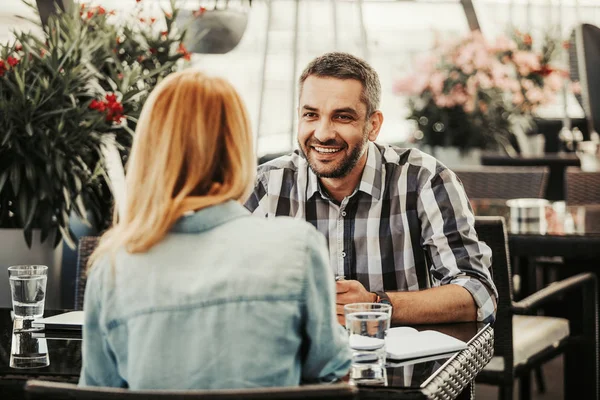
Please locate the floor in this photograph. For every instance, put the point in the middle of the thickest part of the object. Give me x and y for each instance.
(553, 377)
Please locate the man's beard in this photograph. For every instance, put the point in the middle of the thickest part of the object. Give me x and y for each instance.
(346, 165)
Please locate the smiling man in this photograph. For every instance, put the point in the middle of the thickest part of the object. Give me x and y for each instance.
(398, 222)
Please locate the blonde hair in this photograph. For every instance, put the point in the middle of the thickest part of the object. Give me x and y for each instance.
(192, 149)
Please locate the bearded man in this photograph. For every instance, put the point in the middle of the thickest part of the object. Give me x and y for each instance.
(398, 223)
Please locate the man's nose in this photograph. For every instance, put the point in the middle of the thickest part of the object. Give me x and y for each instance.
(324, 131)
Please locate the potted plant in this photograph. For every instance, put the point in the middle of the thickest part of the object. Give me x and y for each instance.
(474, 94)
(62, 95)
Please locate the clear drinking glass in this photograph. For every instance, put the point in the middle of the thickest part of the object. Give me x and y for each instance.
(367, 324)
(28, 288)
(27, 351)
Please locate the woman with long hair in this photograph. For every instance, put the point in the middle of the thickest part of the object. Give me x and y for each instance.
(187, 289)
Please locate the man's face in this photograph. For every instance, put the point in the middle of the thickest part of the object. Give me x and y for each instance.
(333, 128)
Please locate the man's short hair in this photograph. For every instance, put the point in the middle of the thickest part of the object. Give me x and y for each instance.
(346, 66)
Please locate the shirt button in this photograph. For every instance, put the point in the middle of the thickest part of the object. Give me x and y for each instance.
(343, 254)
(343, 213)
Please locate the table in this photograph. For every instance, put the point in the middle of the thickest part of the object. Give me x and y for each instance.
(412, 380)
(573, 233)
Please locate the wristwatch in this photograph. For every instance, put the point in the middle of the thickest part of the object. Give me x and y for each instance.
(383, 298)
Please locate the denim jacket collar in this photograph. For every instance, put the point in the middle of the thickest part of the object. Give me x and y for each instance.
(210, 217)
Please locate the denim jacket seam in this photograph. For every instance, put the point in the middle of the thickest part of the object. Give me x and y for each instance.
(115, 322)
(306, 270)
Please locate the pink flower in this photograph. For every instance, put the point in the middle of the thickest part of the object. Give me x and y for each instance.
(527, 84)
(518, 98)
(426, 63)
(535, 95)
(469, 106)
(554, 81)
(413, 84)
(484, 80)
(436, 82)
(504, 44)
(526, 62)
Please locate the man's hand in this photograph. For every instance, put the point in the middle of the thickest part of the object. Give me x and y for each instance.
(351, 292)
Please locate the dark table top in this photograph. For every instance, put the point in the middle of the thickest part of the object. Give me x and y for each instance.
(408, 376)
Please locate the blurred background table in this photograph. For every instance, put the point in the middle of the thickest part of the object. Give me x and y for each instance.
(573, 233)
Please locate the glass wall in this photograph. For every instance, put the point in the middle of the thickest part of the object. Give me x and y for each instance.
(389, 34)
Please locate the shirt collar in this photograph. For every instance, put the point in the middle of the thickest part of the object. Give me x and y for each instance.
(210, 217)
(370, 181)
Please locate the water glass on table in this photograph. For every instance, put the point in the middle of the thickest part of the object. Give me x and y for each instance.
(28, 288)
(367, 324)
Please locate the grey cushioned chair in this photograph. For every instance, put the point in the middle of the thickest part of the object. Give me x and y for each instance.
(500, 182)
(524, 341)
(46, 390)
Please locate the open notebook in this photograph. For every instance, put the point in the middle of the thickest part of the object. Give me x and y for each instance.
(72, 320)
(405, 342)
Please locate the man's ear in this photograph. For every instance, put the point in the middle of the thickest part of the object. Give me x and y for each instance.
(375, 122)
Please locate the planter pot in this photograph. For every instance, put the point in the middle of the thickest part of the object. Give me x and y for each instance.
(14, 251)
(215, 31)
(452, 157)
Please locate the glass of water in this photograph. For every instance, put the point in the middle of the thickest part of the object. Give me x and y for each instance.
(367, 324)
(28, 287)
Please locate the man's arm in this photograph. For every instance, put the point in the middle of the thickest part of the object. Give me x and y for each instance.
(463, 289)
(257, 202)
(457, 256)
(448, 303)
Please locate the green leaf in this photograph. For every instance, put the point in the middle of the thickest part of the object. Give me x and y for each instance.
(66, 236)
(7, 135)
(28, 235)
(15, 178)
(3, 179)
(31, 212)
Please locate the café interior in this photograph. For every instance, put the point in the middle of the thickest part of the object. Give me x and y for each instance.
(503, 93)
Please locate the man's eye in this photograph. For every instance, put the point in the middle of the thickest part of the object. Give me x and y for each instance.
(309, 115)
(344, 117)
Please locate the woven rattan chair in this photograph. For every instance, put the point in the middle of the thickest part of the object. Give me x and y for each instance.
(581, 187)
(85, 248)
(38, 390)
(495, 182)
(524, 341)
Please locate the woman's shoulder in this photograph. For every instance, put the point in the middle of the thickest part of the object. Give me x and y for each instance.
(282, 225)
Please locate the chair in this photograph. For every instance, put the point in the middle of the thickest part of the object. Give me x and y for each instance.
(85, 248)
(556, 162)
(524, 341)
(46, 390)
(495, 182)
(582, 188)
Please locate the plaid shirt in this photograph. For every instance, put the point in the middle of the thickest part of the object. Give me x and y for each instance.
(408, 212)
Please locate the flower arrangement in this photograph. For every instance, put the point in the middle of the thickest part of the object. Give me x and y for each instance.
(467, 93)
(61, 95)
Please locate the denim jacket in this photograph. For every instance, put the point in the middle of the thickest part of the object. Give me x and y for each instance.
(225, 300)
